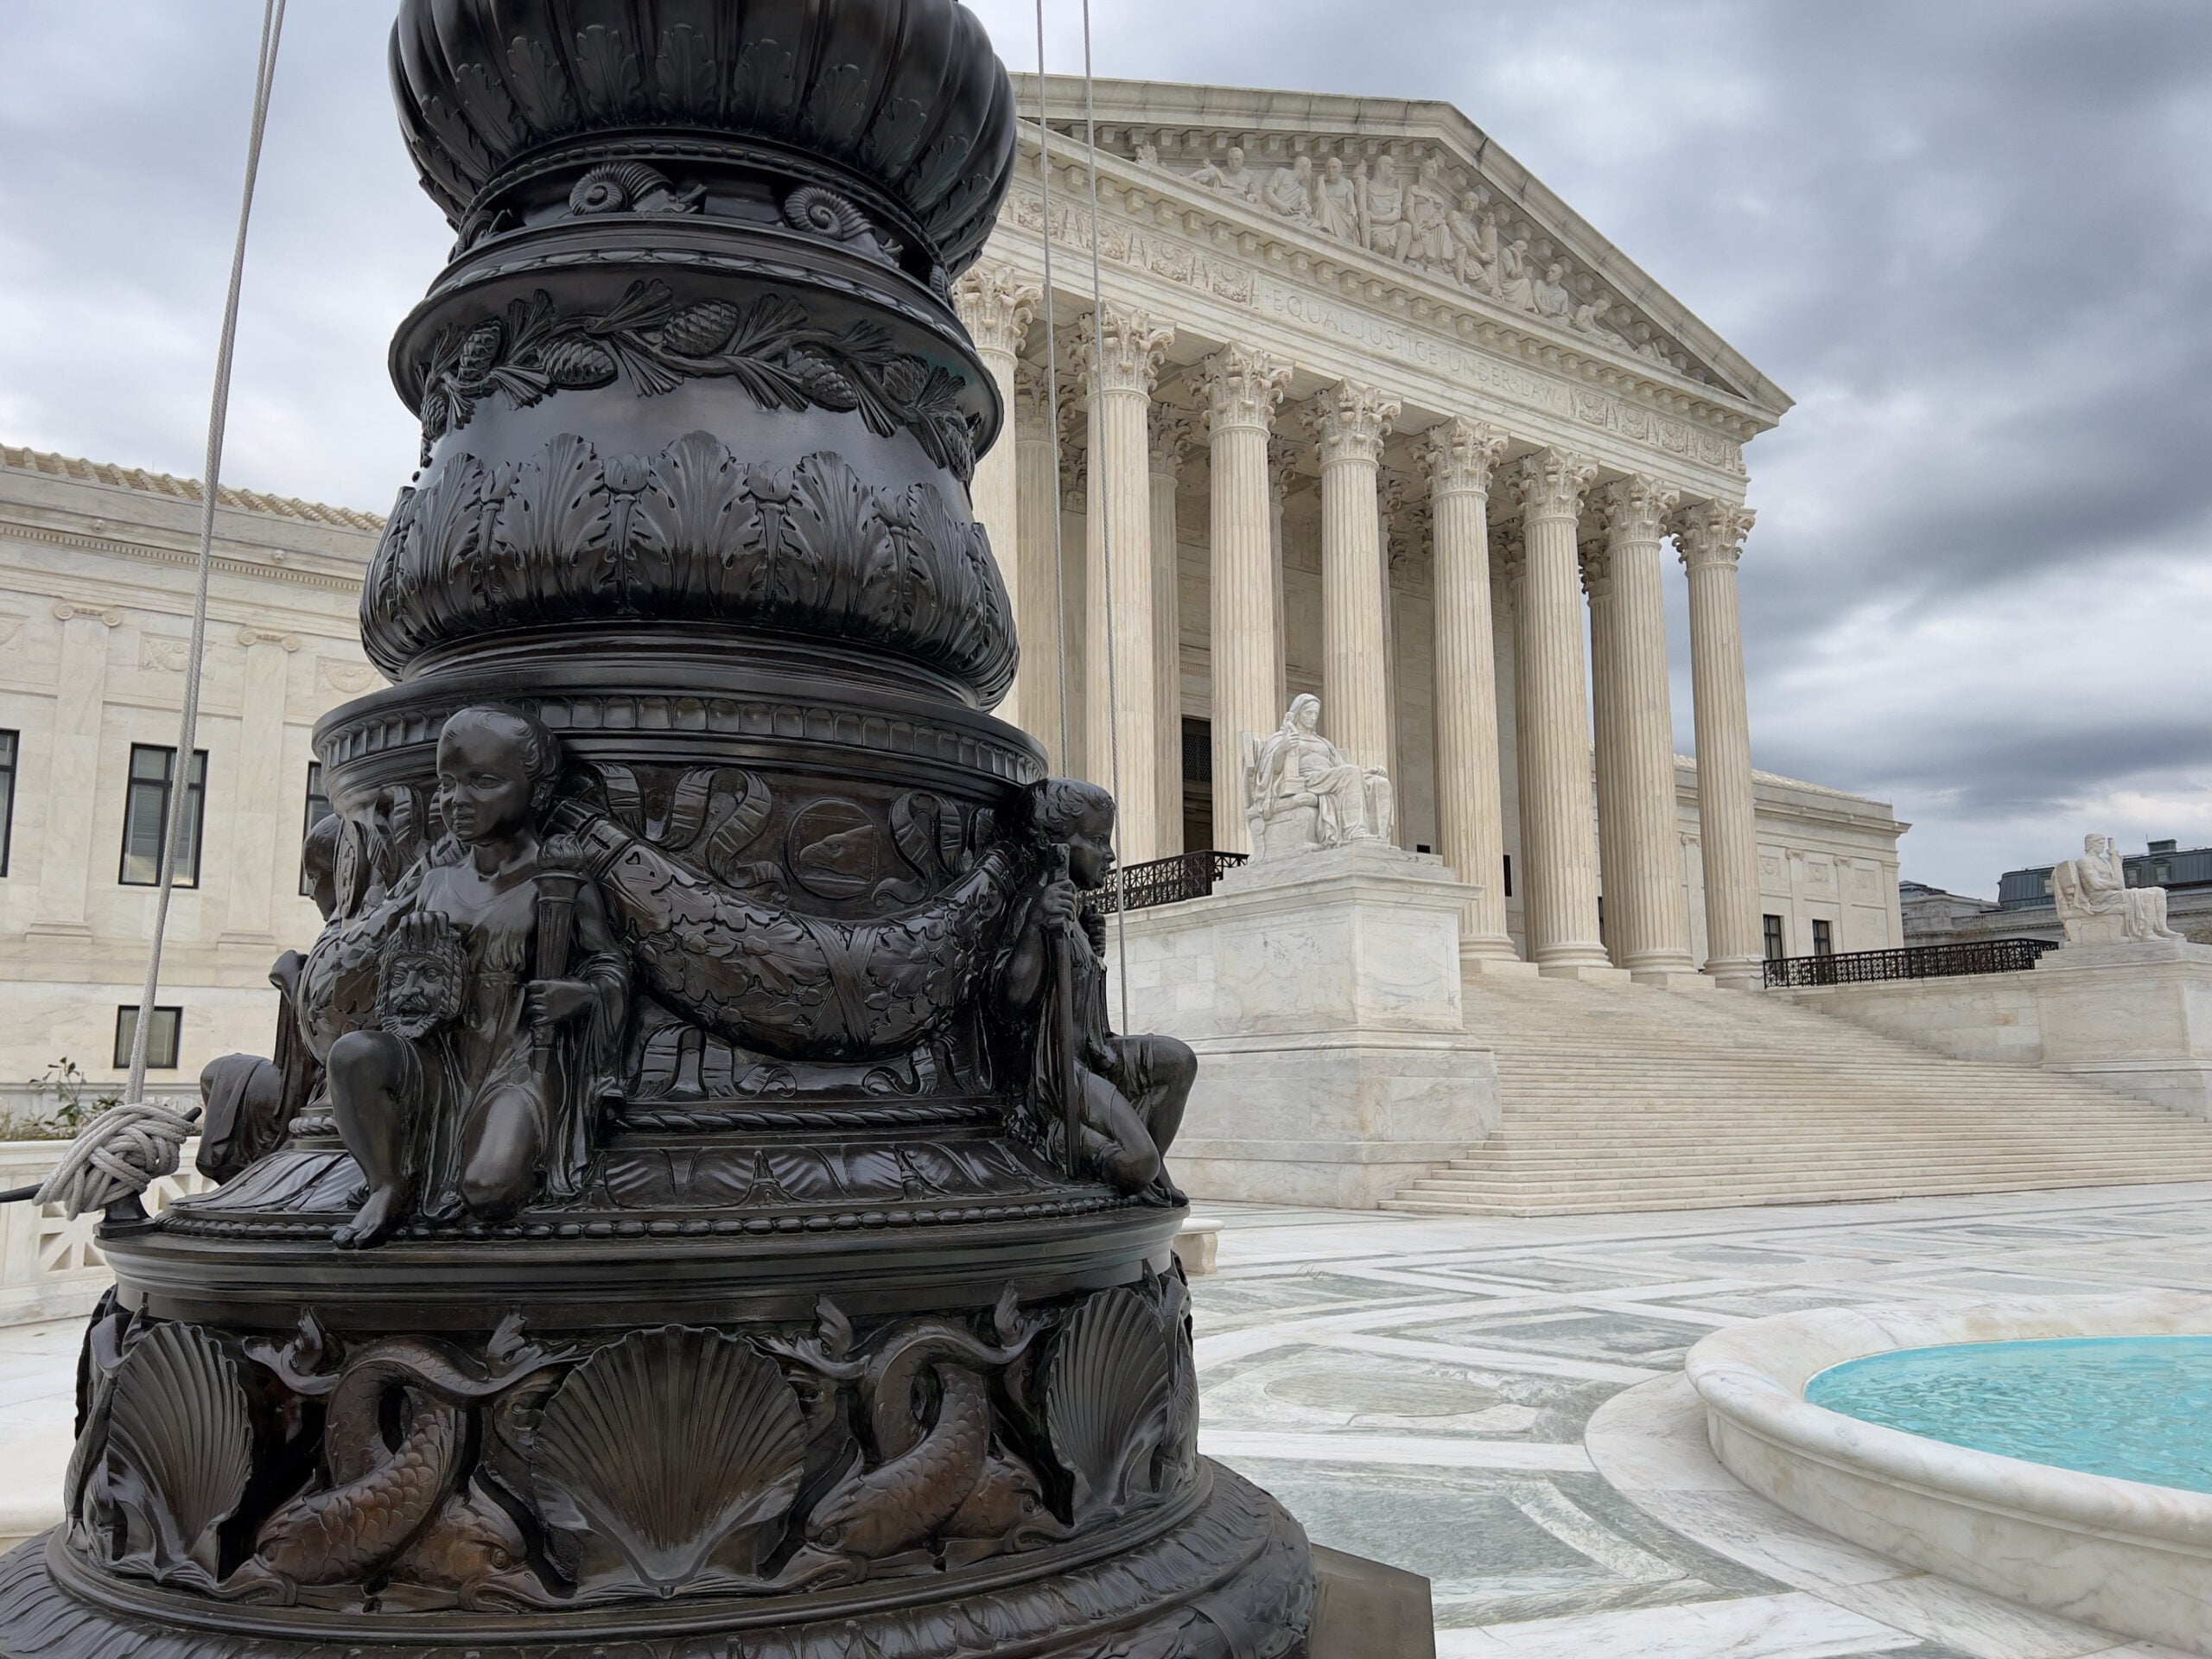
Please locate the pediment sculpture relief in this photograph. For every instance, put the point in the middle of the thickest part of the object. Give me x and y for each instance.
(1413, 216)
(1302, 793)
(2097, 906)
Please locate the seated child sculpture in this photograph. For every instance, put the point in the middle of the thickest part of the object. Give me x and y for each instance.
(500, 990)
(1126, 1093)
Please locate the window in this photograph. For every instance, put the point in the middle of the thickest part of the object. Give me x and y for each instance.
(1198, 751)
(1774, 949)
(1509, 875)
(160, 1042)
(146, 817)
(1823, 938)
(318, 810)
(10, 741)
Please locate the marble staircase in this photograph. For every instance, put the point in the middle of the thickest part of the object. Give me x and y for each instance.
(1626, 1097)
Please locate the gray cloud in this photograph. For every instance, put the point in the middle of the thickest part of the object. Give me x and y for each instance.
(1971, 237)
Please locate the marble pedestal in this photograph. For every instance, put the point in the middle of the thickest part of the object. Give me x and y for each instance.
(2135, 1018)
(1321, 993)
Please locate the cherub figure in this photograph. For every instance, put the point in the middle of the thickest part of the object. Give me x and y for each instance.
(1128, 1092)
(499, 991)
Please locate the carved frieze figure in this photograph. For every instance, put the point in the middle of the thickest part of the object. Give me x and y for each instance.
(498, 990)
(1121, 1096)
(2097, 906)
(1474, 244)
(1231, 177)
(1289, 190)
(1515, 286)
(1301, 792)
(1335, 204)
(1428, 237)
(1549, 294)
(1382, 221)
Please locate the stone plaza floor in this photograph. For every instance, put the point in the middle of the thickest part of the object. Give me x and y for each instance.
(1499, 1405)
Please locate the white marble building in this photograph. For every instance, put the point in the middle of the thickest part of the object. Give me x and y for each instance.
(1423, 462)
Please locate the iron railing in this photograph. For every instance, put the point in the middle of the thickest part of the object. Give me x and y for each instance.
(1164, 881)
(1912, 962)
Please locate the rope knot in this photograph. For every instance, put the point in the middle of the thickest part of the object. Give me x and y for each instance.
(122, 1152)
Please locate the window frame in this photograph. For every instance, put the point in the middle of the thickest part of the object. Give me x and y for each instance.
(1774, 937)
(126, 1030)
(195, 796)
(1823, 937)
(11, 759)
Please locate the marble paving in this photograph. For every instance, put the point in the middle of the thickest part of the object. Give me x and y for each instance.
(1499, 1405)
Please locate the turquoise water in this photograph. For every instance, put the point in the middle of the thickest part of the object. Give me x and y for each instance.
(2136, 1407)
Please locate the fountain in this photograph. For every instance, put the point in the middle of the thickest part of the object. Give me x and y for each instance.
(697, 1204)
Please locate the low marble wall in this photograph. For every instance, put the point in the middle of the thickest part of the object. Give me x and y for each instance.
(1322, 994)
(2128, 1557)
(51, 1268)
(2134, 1019)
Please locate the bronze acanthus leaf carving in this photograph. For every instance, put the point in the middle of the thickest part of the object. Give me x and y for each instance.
(769, 347)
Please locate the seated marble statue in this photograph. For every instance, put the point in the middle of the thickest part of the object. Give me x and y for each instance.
(1302, 793)
(2097, 906)
(498, 993)
(1130, 1090)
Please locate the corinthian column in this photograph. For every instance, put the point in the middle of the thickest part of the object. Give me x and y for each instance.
(1171, 438)
(1458, 456)
(1711, 538)
(1636, 821)
(1037, 612)
(1349, 422)
(1118, 354)
(995, 306)
(1242, 388)
(1558, 837)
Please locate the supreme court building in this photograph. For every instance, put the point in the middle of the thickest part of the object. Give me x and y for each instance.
(1379, 417)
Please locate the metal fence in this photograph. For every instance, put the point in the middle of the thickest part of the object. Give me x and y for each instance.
(1912, 962)
(1164, 881)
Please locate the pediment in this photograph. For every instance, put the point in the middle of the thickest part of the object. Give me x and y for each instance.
(1410, 189)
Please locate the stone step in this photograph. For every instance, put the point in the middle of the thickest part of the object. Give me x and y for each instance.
(1801, 1163)
(1721, 1190)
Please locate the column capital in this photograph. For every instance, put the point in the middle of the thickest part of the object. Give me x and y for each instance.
(106, 615)
(1596, 558)
(1134, 347)
(1637, 507)
(1350, 421)
(1509, 552)
(1243, 386)
(1712, 532)
(1031, 398)
(251, 637)
(1168, 437)
(995, 305)
(1459, 456)
(1282, 468)
(1552, 483)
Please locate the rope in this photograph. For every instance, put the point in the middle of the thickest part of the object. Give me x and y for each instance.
(1105, 528)
(265, 74)
(1052, 387)
(116, 1156)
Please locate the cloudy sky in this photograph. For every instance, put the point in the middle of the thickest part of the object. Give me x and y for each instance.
(1972, 238)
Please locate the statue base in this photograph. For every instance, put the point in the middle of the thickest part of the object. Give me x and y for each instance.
(1232, 1579)
(2134, 1018)
(1322, 994)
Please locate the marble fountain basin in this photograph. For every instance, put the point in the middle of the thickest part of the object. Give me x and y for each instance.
(2125, 1555)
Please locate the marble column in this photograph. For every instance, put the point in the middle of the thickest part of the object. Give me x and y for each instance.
(1118, 353)
(1639, 838)
(1710, 538)
(1558, 813)
(996, 306)
(1242, 387)
(259, 808)
(73, 770)
(1349, 422)
(1459, 456)
(1037, 588)
(1595, 558)
(1282, 479)
(1171, 440)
